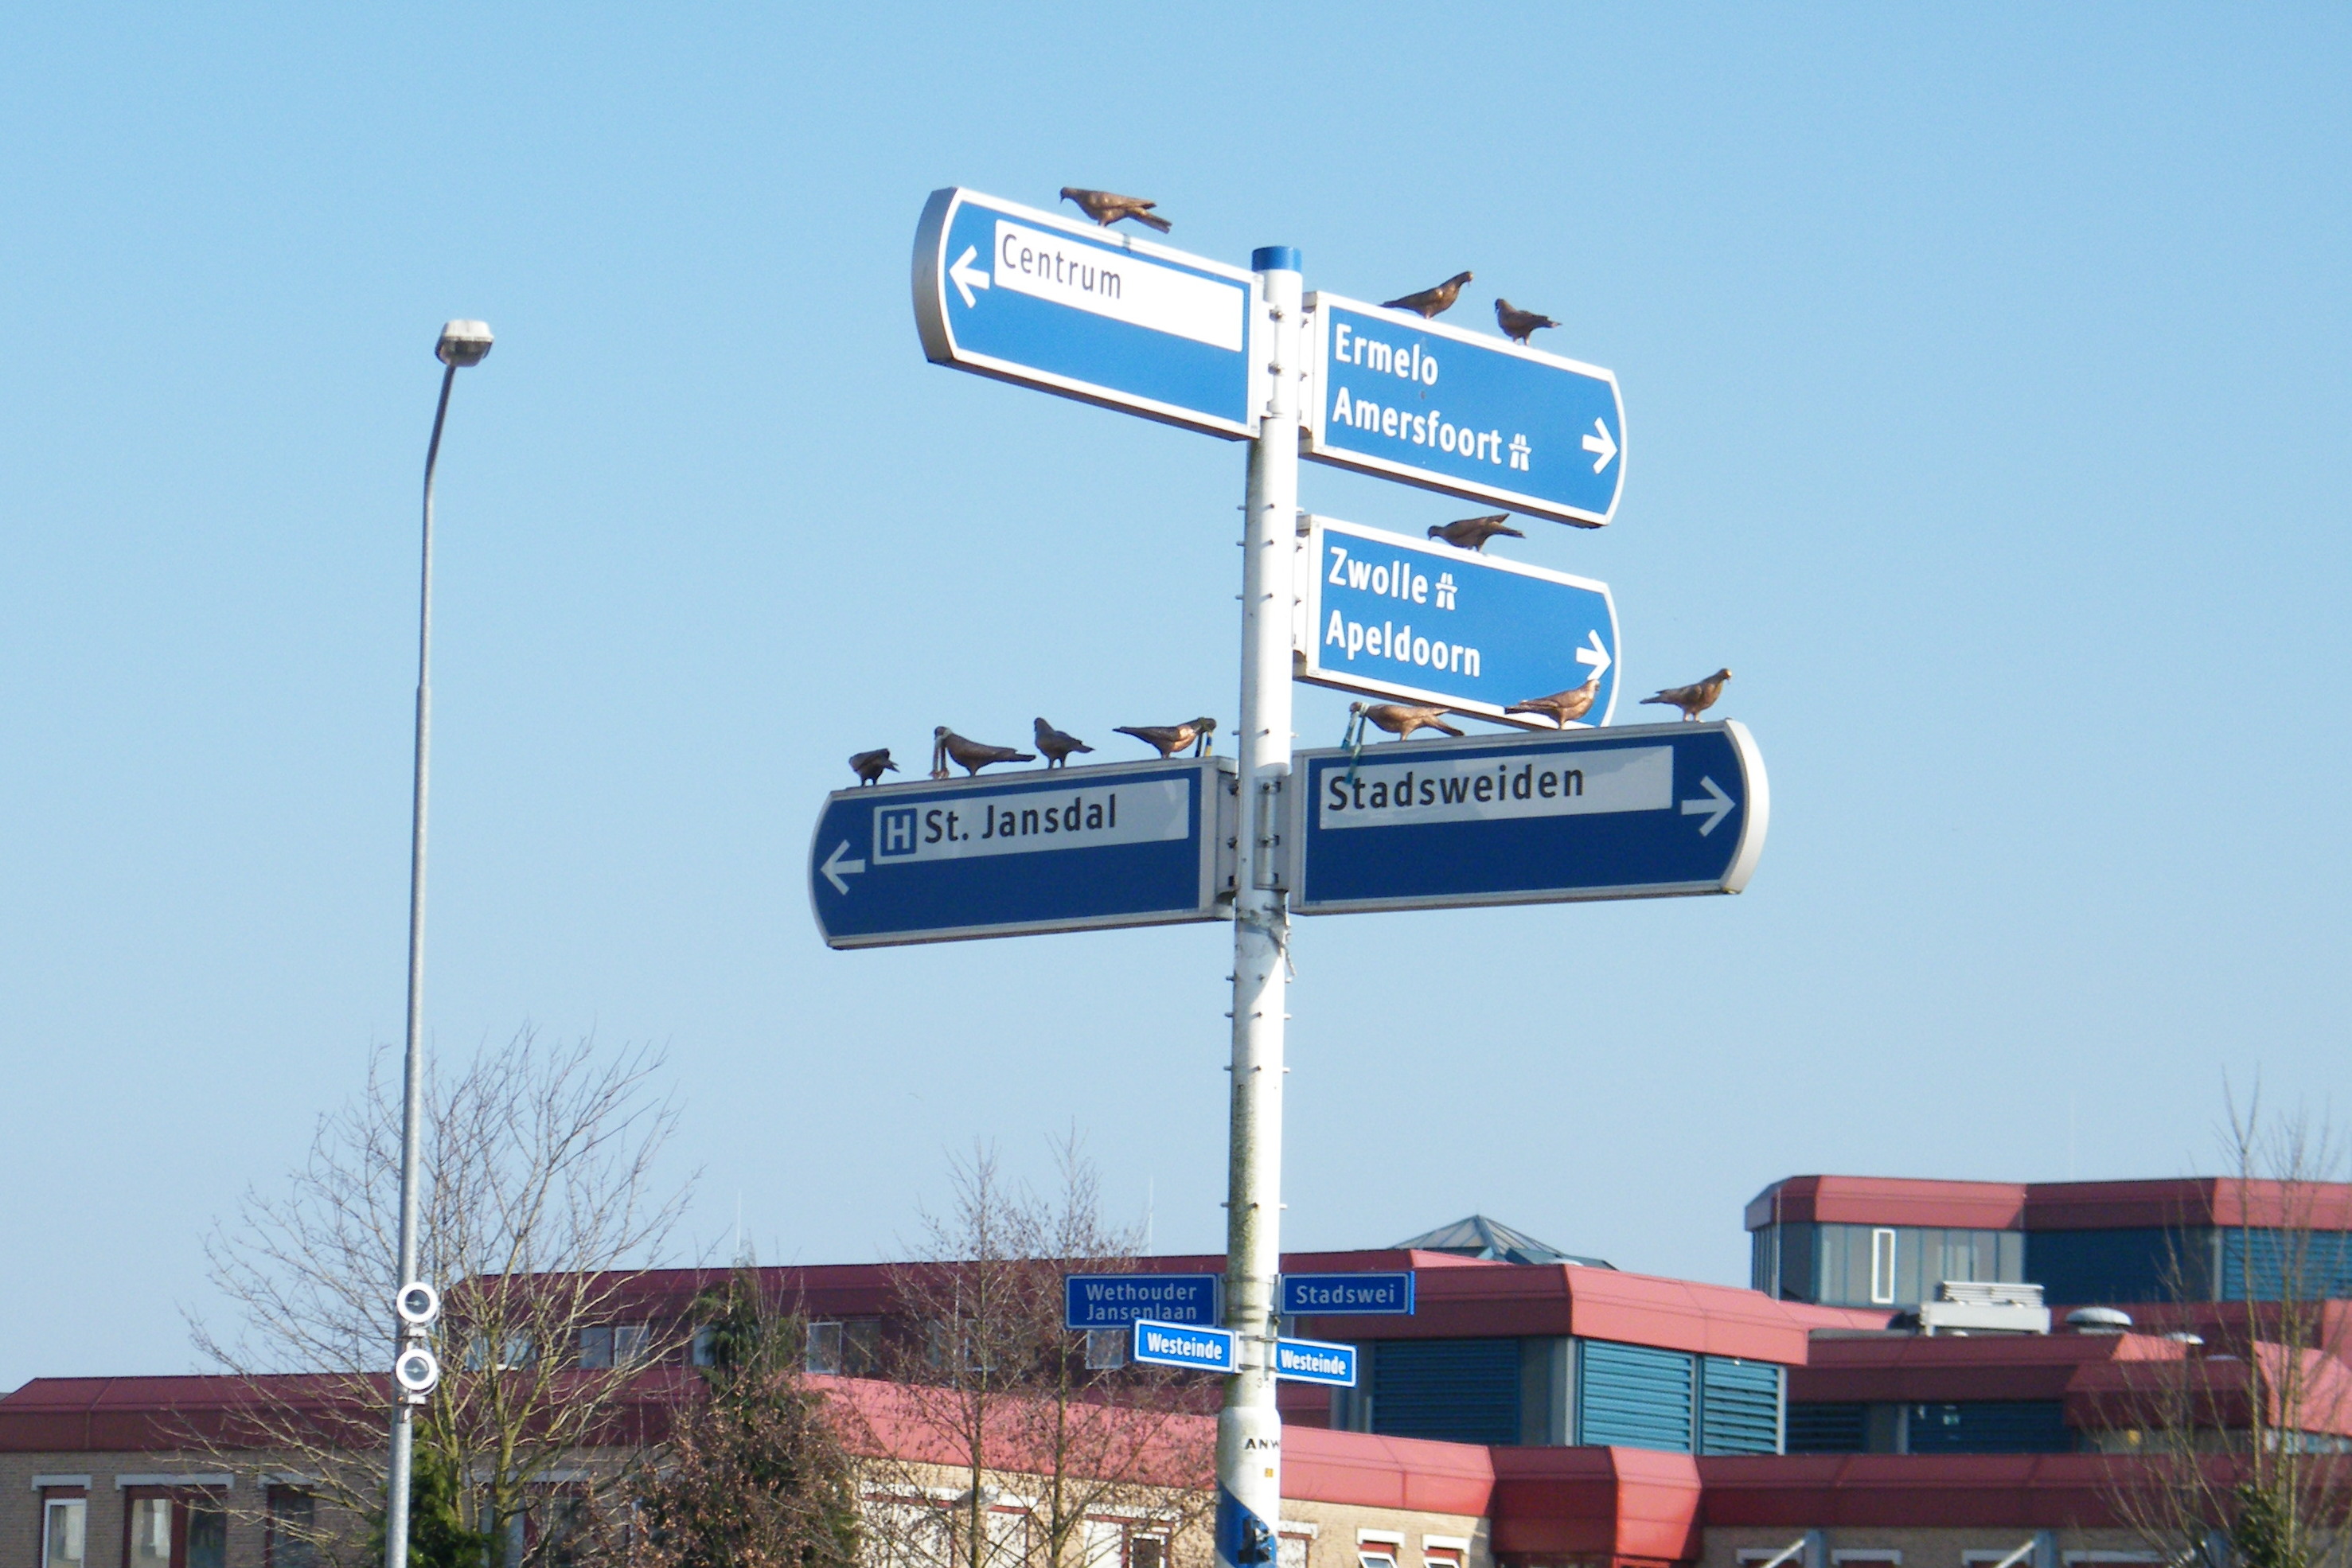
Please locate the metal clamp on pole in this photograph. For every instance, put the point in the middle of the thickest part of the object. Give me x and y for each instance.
(1267, 827)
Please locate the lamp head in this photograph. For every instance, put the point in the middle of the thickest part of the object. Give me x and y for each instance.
(463, 344)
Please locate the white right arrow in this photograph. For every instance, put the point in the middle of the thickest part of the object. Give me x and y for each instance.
(967, 277)
(1714, 810)
(1599, 444)
(1596, 656)
(834, 865)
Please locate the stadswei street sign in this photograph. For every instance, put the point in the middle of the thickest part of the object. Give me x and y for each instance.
(1066, 307)
(1646, 811)
(1012, 854)
(1420, 621)
(1179, 1344)
(1331, 1295)
(1313, 1361)
(1115, 1300)
(1465, 413)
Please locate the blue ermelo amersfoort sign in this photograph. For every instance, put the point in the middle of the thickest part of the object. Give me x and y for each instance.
(1420, 621)
(1463, 412)
(1092, 313)
(1644, 811)
(1115, 1300)
(1006, 854)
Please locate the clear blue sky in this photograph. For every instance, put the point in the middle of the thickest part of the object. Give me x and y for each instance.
(1987, 376)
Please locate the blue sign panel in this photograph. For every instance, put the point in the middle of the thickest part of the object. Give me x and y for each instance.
(1064, 850)
(1174, 1344)
(1463, 412)
(1064, 306)
(1312, 1361)
(1115, 1300)
(1329, 1295)
(1634, 813)
(1419, 620)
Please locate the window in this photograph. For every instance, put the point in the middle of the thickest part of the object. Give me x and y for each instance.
(207, 1533)
(151, 1533)
(1106, 1348)
(493, 1352)
(1292, 1550)
(1146, 1551)
(291, 1542)
(618, 1344)
(65, 1524)
(1881, 1267)
(705, 1352)
(824, 1354)
(1376, 1557)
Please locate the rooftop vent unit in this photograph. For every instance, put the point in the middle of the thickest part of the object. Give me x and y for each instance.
(2098, 1320)
(1969, 1306)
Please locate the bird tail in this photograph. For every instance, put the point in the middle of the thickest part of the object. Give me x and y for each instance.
(1081, 746)
(1445, 727)
(1523, 708)
(1511, 532)
(1661, 697)
(1130, 730)
(1154, 219)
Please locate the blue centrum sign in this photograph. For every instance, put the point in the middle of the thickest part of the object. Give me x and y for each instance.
(1066, 307)
(1646, 811)
(1463, 412)
(1312, 1361)
(1331, 1295)
(1115, 1300)
(1065, 849)
(1419, 620)
(1175, 1344)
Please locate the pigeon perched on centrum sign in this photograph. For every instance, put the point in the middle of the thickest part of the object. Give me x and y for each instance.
(1170, 739)
(1402, 721)
(970, 755)
(1518, 324)
(1106, 208)
(1562, 706)
(1471, 532)
(869, 765)
(1431, 301)
(1694, 699)
(1056, 746)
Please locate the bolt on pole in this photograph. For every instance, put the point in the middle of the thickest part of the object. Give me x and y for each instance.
(1249, 1428)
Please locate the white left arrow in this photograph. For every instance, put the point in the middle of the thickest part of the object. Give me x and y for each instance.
(1596, 656)
(1601, 444)
(1714, 810)
(834, 866)
(967, 277)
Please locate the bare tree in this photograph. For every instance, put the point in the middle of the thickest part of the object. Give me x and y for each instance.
(2238, 1443)
(993, 1380)
(541, 1203)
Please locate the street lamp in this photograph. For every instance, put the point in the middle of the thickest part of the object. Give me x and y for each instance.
(462, 343)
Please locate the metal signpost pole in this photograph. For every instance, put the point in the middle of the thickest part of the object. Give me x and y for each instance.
(1249, 1428)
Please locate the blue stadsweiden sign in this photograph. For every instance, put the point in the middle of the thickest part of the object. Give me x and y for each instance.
(1329, 1295)
(1177, 1344)
(1465, 413)
(1087, 312)
(1640, 812)
(1420, 621)
(1115, 1300)
(1312, 1361)
(1008, 854)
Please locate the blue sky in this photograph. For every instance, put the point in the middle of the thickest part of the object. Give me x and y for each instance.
(1986, 371)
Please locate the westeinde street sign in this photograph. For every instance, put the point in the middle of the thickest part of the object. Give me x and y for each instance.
(1646, 811)
(1115, 1300)
(1174, 1344)
(1422, 621)
(1312, 1361)
(1329, 1295)
(1092, 313)
(1006, 854)
(1465, 413)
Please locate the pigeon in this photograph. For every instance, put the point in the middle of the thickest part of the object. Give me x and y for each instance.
(971, 755)
(1171, 739)
(1058, 746)
(1107, 209)
(1694, 699)
(1519, 325)
(1401, 720)
(1562, 706)
(1471, 532)
(869, 765)
(1431, 301)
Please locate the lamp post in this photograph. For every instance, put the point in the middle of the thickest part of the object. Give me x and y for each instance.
(462, 343)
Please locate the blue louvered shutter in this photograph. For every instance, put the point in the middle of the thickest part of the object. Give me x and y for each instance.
(1991, 1426)
(1828, 1429)
(1462, 1391)
(1738, 1406)
(1633, 1396)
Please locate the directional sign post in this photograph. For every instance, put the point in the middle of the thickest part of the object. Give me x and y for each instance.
(1331, 1295)
(1065, 307)
(1640, 812)
(1177, 1344)
(1465, 413)
(1420, 621)
(1008, 854)
(1115, 1300)
(1313, 1361)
